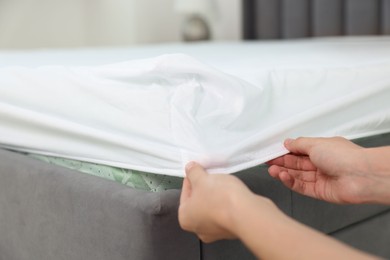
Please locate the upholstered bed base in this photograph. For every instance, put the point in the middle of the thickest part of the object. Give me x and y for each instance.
(49, 212)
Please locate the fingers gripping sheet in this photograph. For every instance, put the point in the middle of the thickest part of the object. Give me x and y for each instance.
(157, 114)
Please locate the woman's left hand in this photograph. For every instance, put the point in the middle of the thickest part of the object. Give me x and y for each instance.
(207, 203)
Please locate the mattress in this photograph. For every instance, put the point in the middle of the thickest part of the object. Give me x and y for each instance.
(135, 179)
(157, 182)
(252, 65)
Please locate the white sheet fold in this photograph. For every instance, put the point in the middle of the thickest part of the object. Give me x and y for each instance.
(157, 114)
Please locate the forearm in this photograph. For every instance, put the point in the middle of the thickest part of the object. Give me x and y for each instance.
(270, 234)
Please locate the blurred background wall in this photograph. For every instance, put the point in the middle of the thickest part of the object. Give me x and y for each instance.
(80, 23)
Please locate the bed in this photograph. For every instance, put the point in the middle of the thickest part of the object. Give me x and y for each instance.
(50, 212)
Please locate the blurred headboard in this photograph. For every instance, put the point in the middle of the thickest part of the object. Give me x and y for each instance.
(279, 19)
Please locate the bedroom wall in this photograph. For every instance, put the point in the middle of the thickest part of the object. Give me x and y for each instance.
(75, 23)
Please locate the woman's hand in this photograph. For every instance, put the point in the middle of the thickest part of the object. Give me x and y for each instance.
(221, 207)
(208, 203)
(334, 170)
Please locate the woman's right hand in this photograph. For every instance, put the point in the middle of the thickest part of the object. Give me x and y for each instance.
(335, 170)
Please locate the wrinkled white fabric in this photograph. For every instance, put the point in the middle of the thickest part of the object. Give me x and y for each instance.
(158, 114)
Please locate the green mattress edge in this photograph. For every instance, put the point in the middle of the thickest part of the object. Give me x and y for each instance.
(132, 178)
(155, 182)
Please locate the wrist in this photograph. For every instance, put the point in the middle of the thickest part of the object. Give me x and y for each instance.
(377, 171)
(237, 206)
(250, 209)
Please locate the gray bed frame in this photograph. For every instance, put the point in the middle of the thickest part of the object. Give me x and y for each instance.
(48, 212)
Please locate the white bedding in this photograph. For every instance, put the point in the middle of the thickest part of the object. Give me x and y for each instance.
(229, 112)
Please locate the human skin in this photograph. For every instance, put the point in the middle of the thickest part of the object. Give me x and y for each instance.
(335, 170)
(218, 207)
(332, 169)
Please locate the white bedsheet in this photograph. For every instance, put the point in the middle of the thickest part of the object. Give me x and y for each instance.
(157, 114)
